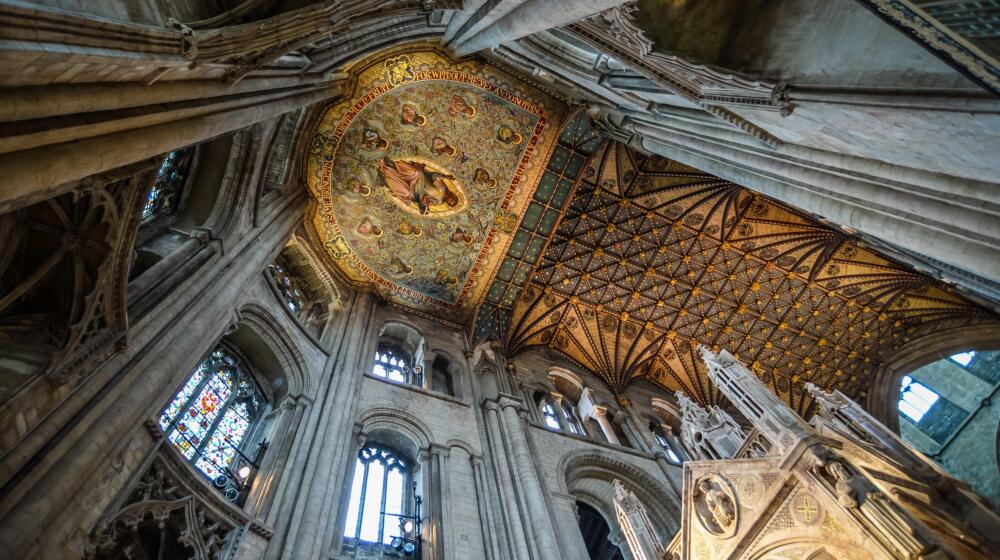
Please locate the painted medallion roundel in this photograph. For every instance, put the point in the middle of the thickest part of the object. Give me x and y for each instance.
(413, 173)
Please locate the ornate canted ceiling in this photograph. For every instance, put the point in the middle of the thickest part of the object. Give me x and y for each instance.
(424, 173)
(654, 257)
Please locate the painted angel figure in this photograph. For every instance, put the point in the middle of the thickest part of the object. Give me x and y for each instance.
(414, 184)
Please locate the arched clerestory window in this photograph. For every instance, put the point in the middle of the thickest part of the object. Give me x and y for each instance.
(210, 418)
(380, 495)
(164, 194)
(560, 415)
(395, 365)
(947, 410)
(667, 442)
(297, 297)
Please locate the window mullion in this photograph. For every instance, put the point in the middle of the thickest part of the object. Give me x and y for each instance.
(361, 506)
(190, 400)
(385, 484)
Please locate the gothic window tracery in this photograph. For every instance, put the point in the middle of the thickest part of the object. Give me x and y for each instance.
(209, 418)
(295, 295)
(164, 194)
(393, 364)
(382, 477)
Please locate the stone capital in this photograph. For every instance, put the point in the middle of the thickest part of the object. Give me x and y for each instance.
(510, 401)
(439, 450)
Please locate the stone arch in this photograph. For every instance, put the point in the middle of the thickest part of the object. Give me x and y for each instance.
(463, 445)
(446, 373)
(606, 467)
(395, 428)
(568, 378)
(884, 392)
(260, 336)
(320, 293)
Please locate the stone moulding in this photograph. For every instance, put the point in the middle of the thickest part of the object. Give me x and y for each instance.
(170, 493)
(615, 32)
(939, 39)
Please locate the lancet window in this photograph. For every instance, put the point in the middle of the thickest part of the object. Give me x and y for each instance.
(210, 418)
(379, 498)
(164, 194)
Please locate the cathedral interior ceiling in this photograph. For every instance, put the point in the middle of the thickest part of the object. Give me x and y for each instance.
(422, 176)
(653, 258)
(459, 191)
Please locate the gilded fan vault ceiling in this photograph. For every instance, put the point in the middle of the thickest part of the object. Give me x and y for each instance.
(423, 175)
(653, 257)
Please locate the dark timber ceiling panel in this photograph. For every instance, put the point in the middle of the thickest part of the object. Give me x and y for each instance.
(653, 257)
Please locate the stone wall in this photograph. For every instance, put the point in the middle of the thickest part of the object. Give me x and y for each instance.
(967, 446)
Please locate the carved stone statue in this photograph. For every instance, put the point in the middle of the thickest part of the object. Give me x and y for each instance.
(847, 495)
(715, 506)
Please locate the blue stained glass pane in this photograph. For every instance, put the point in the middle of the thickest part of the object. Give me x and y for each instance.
(209, 418)
(220, 451)
(182, 398)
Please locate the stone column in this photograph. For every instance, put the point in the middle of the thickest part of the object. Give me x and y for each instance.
(437, 500)
(557, 399)
(513, 521)
(601, 415)
(538, 514)
(567, 517)
(485, 30)
(320, 490)
(272, 472)
(485, 504)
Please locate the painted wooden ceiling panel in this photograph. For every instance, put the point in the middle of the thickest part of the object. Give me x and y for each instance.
(653, 258)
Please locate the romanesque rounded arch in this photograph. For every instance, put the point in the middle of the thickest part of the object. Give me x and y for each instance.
(463, 445)
(604, 466)
(261, 323)
(397, 429)
(567, 375)
(884, 393)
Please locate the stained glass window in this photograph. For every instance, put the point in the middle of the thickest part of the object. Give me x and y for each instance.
(378, 495)
(210, 416)
(394, 365)
(163, 195)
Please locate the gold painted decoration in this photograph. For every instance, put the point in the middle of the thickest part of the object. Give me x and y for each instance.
(421, 175)
(654, 258)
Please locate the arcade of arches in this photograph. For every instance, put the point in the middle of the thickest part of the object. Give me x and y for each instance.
(520, 280)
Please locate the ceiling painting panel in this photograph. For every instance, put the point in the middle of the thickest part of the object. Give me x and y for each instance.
(422, 176)
(653, 258)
